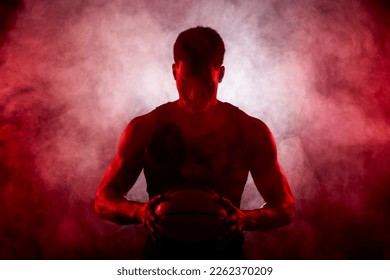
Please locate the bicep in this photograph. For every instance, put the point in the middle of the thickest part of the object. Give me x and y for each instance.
(272, 185)
(265, 169)
(125, 168)
(120, 176)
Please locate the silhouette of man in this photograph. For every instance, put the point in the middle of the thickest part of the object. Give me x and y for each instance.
(197, 140)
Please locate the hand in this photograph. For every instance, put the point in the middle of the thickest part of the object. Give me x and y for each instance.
(149, 218)
(232, 223)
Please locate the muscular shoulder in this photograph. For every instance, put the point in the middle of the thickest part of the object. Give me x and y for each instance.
(143, 124)
(257, 136)
(137, 133)
(254, 128)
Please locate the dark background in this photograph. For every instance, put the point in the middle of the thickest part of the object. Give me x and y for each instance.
(73, 73)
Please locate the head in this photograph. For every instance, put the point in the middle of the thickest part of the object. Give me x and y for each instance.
(198, 55)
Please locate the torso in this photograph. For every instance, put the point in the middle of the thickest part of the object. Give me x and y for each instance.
(187, 152)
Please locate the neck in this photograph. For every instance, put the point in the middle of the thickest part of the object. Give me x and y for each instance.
(199, 123)
(199, 114)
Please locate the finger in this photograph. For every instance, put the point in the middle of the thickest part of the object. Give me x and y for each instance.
(153, 234)
(228, 205)
(154, 201)
(227, 227)
(230, 228)
(153, 229)
(151, 216)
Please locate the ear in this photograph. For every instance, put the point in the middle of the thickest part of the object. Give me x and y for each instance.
(221, 73)
(174, 70)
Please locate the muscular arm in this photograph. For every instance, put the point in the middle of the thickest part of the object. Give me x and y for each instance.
(122, 173)
(279, 208)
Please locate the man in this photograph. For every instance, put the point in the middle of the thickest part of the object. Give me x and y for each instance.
(195, 141)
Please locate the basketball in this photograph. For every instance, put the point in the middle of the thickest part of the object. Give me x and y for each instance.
(190, 215)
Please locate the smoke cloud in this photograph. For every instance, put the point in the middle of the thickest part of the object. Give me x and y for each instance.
(73, 73)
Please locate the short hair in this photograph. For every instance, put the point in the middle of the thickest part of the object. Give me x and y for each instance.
(199, 45)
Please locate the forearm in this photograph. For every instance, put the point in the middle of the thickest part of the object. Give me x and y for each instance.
(267, 218)
(119, 210)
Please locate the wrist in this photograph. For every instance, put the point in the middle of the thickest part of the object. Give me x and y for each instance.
(248, 219)
(139, 213)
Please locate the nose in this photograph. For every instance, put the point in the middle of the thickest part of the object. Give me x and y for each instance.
(192, 94)
(197, 90)
(194, 90)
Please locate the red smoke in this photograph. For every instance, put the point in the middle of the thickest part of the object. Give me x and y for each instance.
(73, 73)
